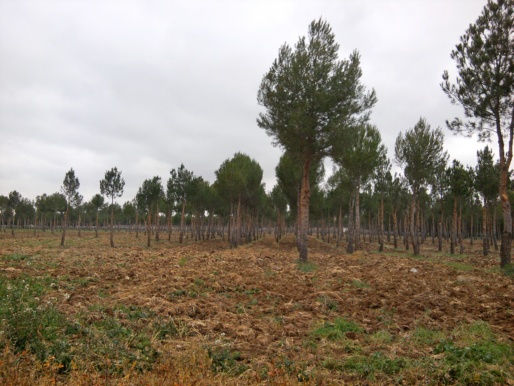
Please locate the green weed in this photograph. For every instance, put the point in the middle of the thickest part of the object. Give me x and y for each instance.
(28, 323)
(459, 266)
(336, 330)
(508, 270)
(369, 366)
(17, 257)
(307, 267)
(225, 361)
(360, 284)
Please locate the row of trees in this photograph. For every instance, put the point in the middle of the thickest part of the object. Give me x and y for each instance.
(361, 196)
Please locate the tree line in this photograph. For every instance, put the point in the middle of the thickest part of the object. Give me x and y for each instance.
(315, 106)
(360, 201)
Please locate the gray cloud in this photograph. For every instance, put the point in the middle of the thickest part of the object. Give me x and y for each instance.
(145, 86)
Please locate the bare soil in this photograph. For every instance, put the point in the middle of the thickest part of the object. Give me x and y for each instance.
(258, 300)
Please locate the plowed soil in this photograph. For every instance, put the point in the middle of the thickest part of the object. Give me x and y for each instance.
(256, 299)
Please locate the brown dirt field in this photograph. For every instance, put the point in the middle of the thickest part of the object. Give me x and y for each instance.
(256, 300)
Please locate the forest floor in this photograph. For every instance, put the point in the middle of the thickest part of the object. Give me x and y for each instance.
(204, 313)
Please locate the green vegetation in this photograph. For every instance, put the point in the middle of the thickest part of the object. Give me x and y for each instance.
(469, 354)
(111, 339)
(307, 266)
(336, 330)
(28, 323)
(459, 266)
(360, 284)
(508, 270)
(17, 257)
(226, 361)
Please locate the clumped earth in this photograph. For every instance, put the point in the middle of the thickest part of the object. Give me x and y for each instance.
(203, 313)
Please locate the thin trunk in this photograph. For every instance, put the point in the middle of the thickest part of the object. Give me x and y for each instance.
(459, 231)
(381, 225)
(169, 224)
(413, 227)
(440, 229)
(493, 228)
(351, 213)
(182, 217)
(149, 228)
(112, 223)
(339, 225)
(485, 240)
(395, 229)
(96, 226)
(239, 230)
(453, 237)
(65, 225)
(357, 216)
(137, 223)
(157, 223)
(304, 212)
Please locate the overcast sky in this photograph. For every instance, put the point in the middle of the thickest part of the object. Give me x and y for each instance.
(147, 85)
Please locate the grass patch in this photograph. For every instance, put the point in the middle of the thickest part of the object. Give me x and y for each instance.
(17, 257)
(306, 267)
(112, 341)
(459, 266)
(508, 271)
(30, 324)
(426, 337)
(479, 363)
(368, 366)
(226, 361)
(336, 330)
(470, 354)
(360, 284)
(381, 337)
(184, 260)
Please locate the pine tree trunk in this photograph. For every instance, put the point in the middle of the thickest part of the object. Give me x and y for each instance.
(65, 225)
(112, 223)
(149, 228)
(395, 229)
(381, 225)
(137, 224)
(459, 231)
(182, 217)
(413, 226)
(303, 228)
(485, 241)
(169, 224)
(357, 224)
(350, 235)
(157, 223)
(493, 229)
(506, 238)
(453, 237)
(96, 226)
(339, 225)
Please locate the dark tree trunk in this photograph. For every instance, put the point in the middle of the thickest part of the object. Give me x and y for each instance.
(64, 226)
(485, 240)
(149, 229)
(506, 238)
(112, 223)
(304, 212)
(395, 230)
(350, 235)
(182, 217)
(453, 237)
(380, 221)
